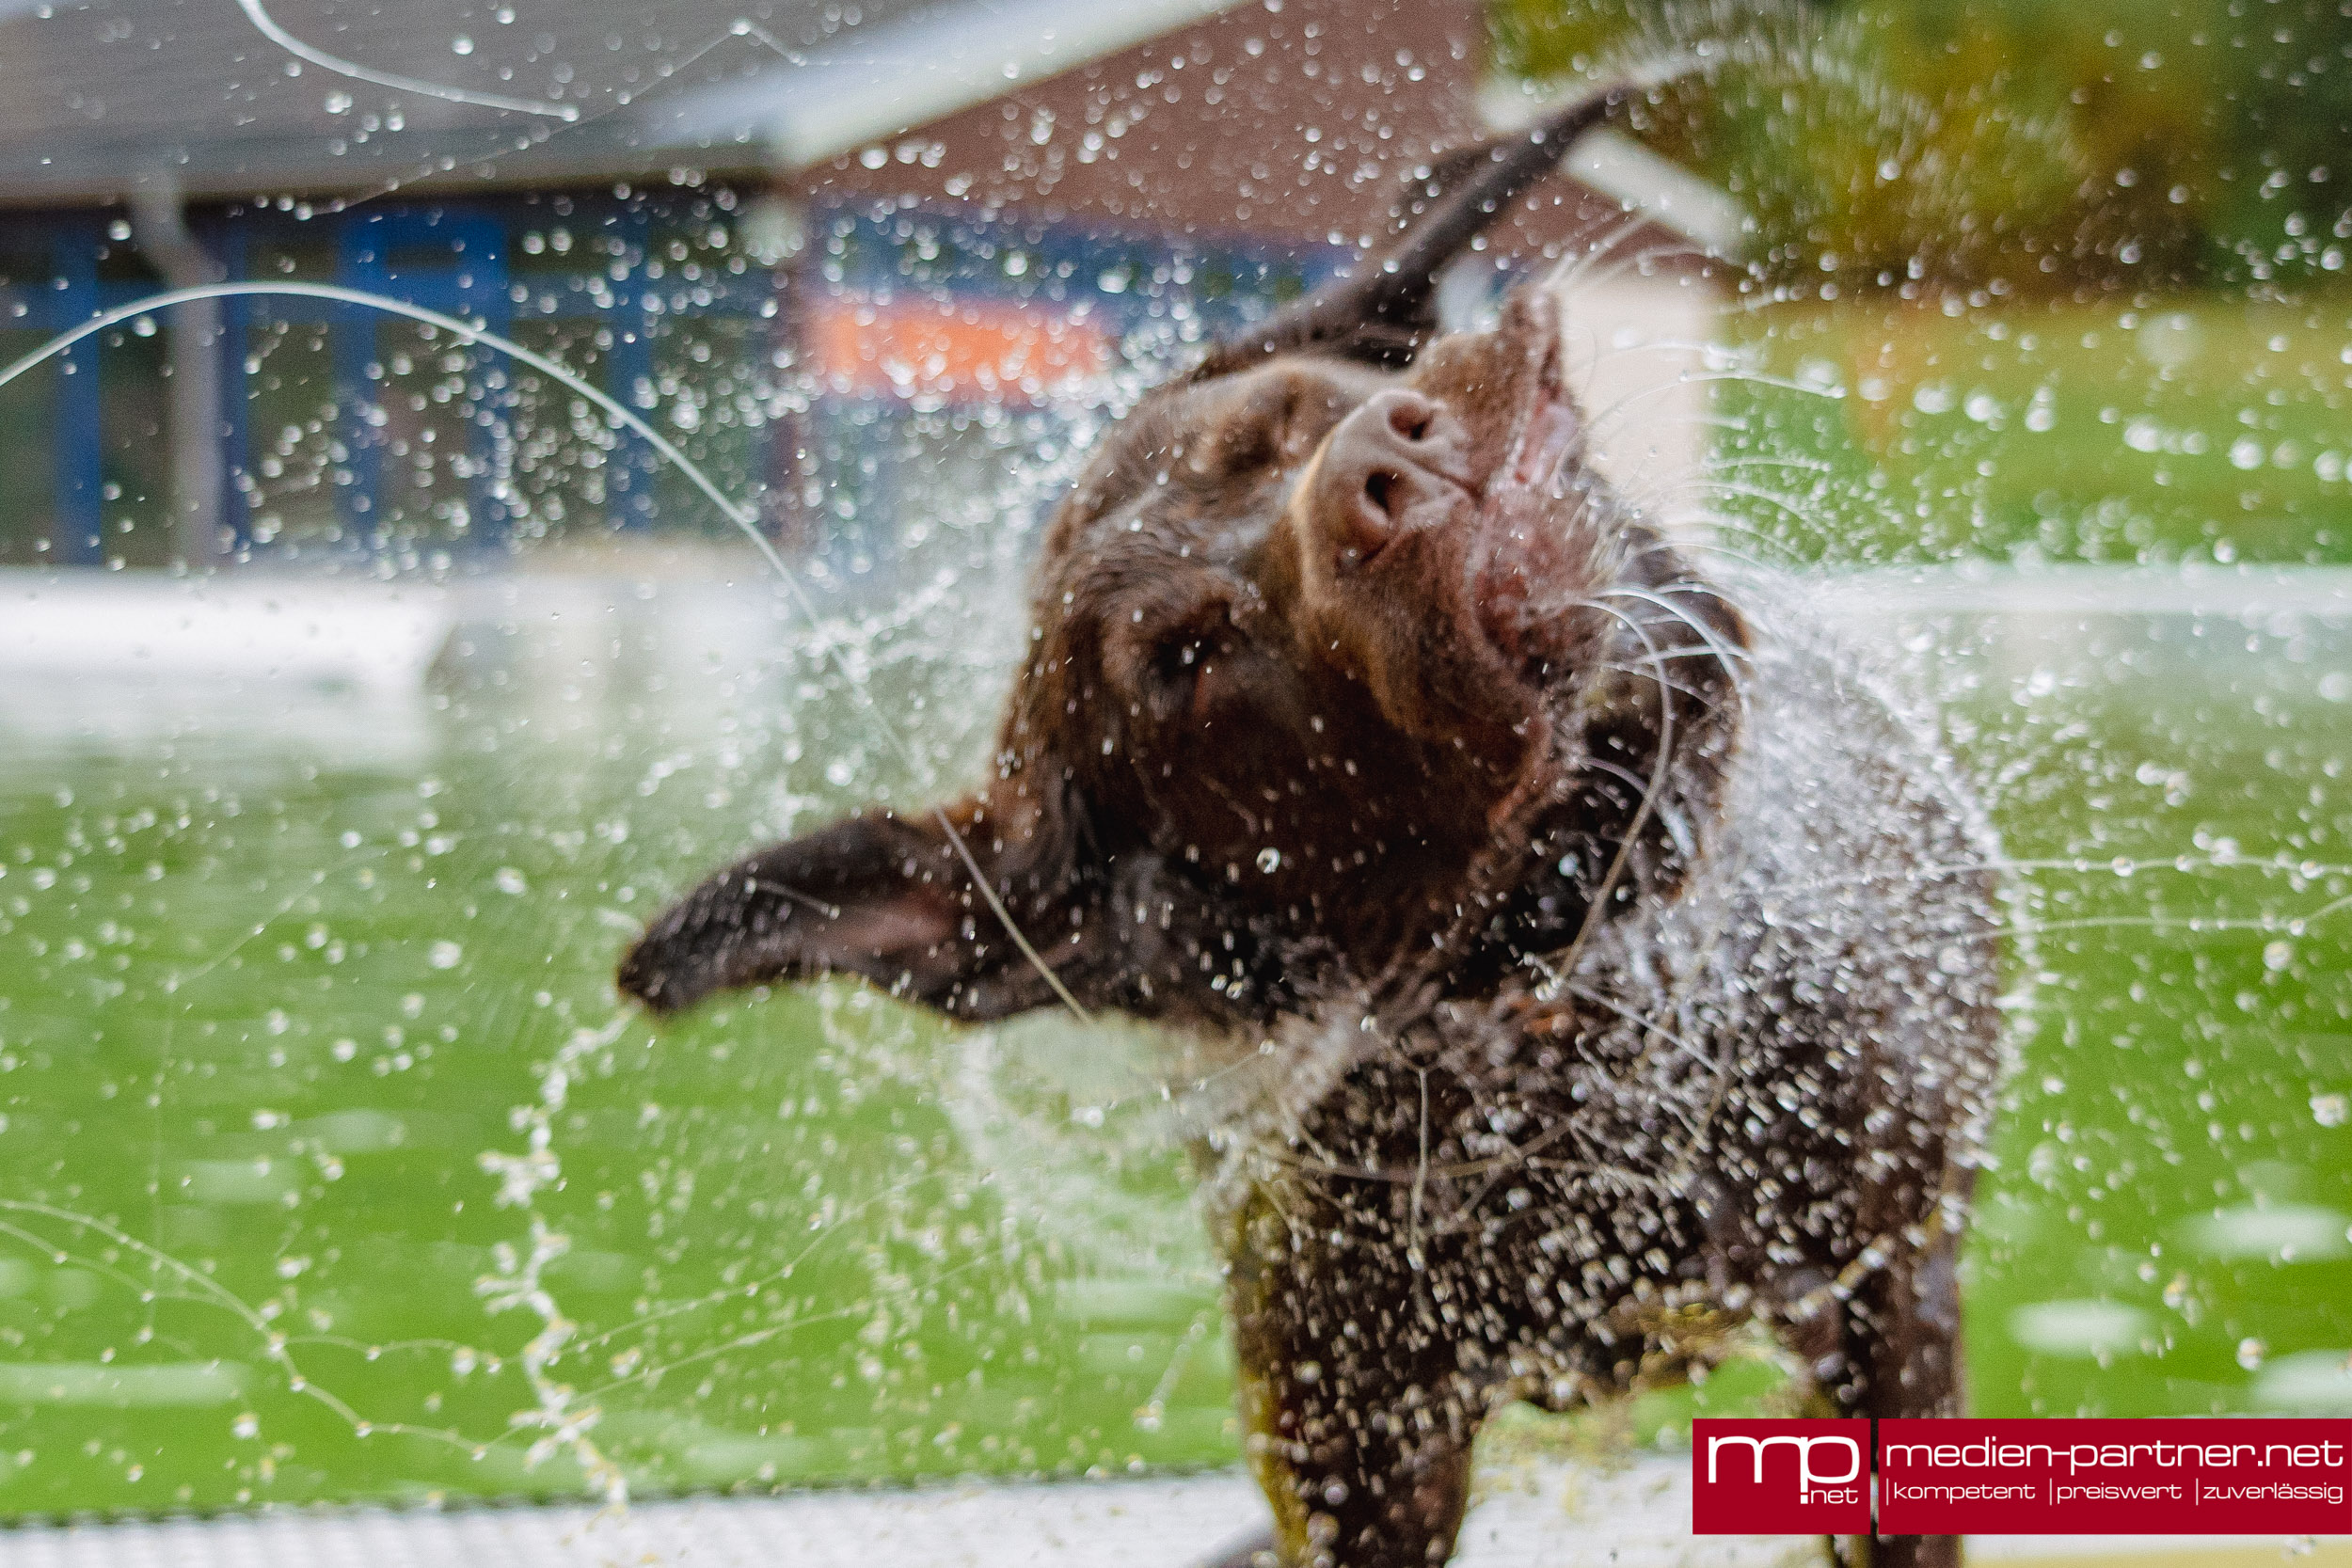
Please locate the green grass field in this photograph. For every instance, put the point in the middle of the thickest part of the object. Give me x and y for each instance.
(2197, 429)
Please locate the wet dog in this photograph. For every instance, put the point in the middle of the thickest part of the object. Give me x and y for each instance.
(1612, 961)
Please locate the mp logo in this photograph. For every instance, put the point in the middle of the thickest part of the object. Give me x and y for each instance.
(1780, 1478)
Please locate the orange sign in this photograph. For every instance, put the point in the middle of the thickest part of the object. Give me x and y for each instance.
(954, 348)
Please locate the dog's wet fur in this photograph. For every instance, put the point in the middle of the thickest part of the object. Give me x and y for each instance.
(1615, 963)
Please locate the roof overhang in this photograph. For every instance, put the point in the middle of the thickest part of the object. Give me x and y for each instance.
(882, 81)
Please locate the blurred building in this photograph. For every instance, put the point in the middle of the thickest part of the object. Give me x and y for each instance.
(772, 230)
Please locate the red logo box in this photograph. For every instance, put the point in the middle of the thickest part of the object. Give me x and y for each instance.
(2089, 1477)
(1780, 1478)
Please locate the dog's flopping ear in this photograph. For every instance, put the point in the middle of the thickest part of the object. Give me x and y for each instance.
(892, 898)
(887, 896)
(1385, 310)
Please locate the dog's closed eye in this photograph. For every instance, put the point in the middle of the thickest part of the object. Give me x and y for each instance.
(1179, 673)
(1179, 660)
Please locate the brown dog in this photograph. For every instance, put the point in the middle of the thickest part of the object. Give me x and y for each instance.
(1608, 962)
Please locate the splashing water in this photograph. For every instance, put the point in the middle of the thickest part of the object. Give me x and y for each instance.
(519, 1281)
(2147, 1063)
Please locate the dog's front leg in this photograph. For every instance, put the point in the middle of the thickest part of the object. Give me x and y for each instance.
(1902, 1350)
(1349, 1392)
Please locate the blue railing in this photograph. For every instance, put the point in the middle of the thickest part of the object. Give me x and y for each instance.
(460, 258)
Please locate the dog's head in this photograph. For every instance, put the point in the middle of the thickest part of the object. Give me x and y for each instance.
(1340, 659)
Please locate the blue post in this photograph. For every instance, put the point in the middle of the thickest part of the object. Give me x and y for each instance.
(361, 261)
(628, 480)
(482, 275)
(236, 335)
(77, 519)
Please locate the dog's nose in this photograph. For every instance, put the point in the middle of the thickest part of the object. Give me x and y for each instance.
(1394, 465)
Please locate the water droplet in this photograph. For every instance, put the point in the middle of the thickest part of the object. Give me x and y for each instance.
(460, 44)
(1269, 860)
(445, 954)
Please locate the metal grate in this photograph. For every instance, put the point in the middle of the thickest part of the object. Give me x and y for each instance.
(1531, 1514)
(1540, 1516)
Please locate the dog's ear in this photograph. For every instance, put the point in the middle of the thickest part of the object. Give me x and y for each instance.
(892, 898)
(887, 896)
(1385, 310)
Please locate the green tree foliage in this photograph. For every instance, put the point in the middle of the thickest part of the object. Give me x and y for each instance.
(2027, 145)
